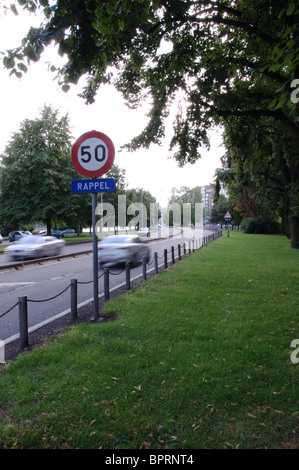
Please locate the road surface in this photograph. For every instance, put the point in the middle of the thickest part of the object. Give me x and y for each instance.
(50, 279)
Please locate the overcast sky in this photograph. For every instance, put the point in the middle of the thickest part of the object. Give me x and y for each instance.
(24, 98)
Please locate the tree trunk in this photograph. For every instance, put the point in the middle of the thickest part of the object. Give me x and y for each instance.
(294, 206)
(295, 232)
(286, 223)
(48, 226)
(288, 227)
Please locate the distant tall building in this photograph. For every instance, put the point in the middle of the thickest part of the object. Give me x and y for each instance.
(207, 196)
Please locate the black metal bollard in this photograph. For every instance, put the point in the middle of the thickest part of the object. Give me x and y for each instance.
(106, 284)
(179, 252)
(74, 299)
(23, 323)
(165, 258)
(128, 275)
(144, 260)
(172, 255)
(156, 262)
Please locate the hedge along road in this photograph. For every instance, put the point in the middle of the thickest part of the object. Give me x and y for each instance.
(41, 282)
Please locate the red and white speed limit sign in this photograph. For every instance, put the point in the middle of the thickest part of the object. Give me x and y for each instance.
(93, 154)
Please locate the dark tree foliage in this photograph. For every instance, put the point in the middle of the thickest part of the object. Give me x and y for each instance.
(223, 60)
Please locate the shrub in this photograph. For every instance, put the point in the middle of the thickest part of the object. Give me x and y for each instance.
(258, 225)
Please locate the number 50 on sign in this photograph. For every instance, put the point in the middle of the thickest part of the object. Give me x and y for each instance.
(93, 154)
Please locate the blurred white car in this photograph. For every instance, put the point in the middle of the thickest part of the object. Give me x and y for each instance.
(14, 236)
(144, 232)
(1, 238)
(122, 248)
(35, 247)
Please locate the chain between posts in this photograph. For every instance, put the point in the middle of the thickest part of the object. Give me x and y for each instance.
(23, 301)
(9, 310)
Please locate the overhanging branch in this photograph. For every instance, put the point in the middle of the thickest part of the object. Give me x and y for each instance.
(256, 113)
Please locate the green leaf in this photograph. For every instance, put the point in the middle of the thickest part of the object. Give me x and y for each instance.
(65, 88)
(281, 101)
(22, 67)
(8, 62)
(273, 103)
(291, 9)
(14, 9)
(288, 58)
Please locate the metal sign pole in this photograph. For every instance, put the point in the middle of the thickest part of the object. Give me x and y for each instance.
(92, 156)
(95, 259)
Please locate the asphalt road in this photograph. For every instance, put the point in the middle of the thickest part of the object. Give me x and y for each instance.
(43, 280)
(5, 259)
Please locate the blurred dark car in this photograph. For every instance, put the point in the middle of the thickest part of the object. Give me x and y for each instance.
(68, 231)
(35, 247)
(54, 233)
(121, 248)
(57, 233)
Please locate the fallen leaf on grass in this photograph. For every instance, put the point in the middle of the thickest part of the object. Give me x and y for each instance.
(145, 445)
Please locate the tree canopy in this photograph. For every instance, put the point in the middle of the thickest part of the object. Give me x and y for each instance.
(36, 172)
(224, 62)
(261, 172)
(223, 58)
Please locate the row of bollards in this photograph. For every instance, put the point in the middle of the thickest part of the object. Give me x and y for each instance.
(23, 301)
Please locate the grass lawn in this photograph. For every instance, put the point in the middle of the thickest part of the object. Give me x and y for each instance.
(199, 357)
(77, 238)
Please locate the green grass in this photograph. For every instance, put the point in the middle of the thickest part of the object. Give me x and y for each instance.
(199, 357)
(77, 238)
(86, 237)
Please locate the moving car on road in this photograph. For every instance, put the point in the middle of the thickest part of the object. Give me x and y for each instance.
(54, 233)
(35, 247)
(122, 248)
(144, 232)
(68, 231)
(14, 236)
(57, 233)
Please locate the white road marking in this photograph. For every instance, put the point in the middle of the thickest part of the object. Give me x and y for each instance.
(15, 284)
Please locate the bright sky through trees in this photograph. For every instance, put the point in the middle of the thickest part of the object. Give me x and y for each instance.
(23, 99)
